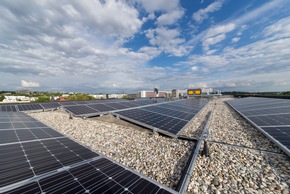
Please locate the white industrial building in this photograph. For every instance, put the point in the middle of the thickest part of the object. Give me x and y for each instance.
(12, 99)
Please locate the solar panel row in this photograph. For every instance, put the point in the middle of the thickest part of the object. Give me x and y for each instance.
(98, 176)
(270, 116)
(37, 159)
(78, 108)
(87, 110)
(168, 118)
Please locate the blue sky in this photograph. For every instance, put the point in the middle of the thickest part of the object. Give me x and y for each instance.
(115, 46)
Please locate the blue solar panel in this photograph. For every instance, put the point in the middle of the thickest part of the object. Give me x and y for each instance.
(38, 159)
(170, 118)
(270, 116)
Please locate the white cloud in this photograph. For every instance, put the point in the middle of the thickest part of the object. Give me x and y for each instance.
(220, 29)
(170, 18)
(211, 52)
(72, 41)
(194, 68)
(160, 5)
(213, 40)
(236, 39)
(168, 41)
(208, 60)
(29, 84)
(263, 64)
(280, 29)
(260, 12)
(202, 14)
(216, 34)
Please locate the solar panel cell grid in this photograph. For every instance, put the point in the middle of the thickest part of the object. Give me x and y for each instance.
(50, 105)
(29, 107)
(160, 117)
(101, 107)
(60, 165)
(8, 108)
(80, 110)
(14, 166)
(271, 116)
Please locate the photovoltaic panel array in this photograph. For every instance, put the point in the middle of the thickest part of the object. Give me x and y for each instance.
(103, 107)
(271, 116)
(169, 118)
(8, 108)
(37, 159)
(24, 107)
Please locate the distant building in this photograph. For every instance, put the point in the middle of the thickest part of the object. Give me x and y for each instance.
(117, 95)
(132, 96)
(53, 98)
(12, 99)
(61, 99)
(99, 96)
(151, 94)
(203, 92)
(27, 92)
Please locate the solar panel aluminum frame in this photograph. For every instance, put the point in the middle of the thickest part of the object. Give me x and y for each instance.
(107, 112)
(48, 174)
(53, 172)
(154, 129)
(115, 113)
(85, 115)
(281, 146)
(191, 120)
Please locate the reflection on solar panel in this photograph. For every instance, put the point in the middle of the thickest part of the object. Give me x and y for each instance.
(270, 116)
(41, 160)
(169, 118)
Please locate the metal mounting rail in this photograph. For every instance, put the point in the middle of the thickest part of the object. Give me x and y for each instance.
(188, 170)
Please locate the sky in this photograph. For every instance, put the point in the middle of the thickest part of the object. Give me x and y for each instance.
(126, 46)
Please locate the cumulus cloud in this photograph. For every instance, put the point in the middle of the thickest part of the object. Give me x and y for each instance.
(160, 5)
(252, 65)
(168, 41)
(236, 39)
(170, 18)
(216, 34)
(278, 30)
(72, 41)
(29, 84)
(203, 14)
(194, 68)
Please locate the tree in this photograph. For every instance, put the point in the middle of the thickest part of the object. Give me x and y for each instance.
(79, 97)
(43, 99)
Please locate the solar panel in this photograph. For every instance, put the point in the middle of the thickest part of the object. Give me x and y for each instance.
(81, 110)
(67, 103)
(29, 107)
(104, 106)
(8, 108)
(117, 105)
(12, 136)
(270, 116)
(57, 164)
(165, 120)
(101, 107)
(98, 176)
(50, 105)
